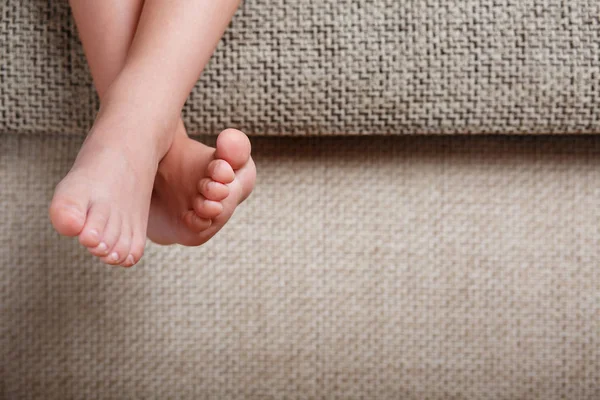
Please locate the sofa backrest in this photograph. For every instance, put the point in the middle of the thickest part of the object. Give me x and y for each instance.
(324, 67)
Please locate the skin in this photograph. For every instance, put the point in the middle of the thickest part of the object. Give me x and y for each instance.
(171, 188)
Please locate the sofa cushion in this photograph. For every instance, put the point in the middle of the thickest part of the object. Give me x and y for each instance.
(469, 271)
(317, 67)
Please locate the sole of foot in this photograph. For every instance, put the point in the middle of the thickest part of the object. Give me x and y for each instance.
(198, 188)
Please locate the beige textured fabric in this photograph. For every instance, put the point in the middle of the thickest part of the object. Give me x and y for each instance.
(321, 67)
(400, 268)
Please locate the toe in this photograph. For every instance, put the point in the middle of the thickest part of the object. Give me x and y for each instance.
(234, 147)
(220, 171)
(97, 217)
(109, 238)
(207, 208)
(68, 212)
(247, 177)
(118, 254)
(213, 190)
(195, 223)
(129, 261)
(135, 252)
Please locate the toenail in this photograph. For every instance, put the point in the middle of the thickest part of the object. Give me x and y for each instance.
(130, 260)
(114, 256)
(102, 247)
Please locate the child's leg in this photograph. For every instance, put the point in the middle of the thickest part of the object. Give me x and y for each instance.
(106, 29)
(106, 196)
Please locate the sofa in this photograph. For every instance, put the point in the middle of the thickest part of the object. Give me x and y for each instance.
(426, 221)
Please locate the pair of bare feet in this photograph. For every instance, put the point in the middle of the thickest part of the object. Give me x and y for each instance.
(135, 178)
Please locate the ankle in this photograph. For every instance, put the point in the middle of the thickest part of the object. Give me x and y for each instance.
(180, 130)
(136, 85)
(135, 122)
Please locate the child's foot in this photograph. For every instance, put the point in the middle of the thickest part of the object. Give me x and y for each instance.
(105, 198)
(197, 187)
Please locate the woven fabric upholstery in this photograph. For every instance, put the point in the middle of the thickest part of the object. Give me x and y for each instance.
(320, 67)
(361, 268)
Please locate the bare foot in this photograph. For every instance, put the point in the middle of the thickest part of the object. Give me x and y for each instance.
(197, 187)
(105, 198)
(117, 192)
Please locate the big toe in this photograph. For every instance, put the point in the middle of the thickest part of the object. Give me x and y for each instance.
(68, 212)
(234, 147)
